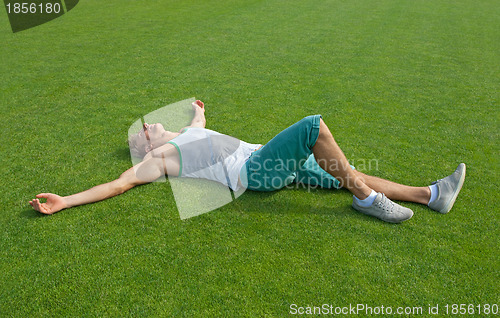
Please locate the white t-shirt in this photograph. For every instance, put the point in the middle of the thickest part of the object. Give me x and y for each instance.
(207, 154)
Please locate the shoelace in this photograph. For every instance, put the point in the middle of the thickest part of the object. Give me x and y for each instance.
(386, 204)
(451, 175)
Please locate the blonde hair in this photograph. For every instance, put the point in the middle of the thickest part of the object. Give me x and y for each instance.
(135, 149)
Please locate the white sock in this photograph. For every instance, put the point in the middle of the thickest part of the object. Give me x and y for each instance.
(366, 202)
(434, 193)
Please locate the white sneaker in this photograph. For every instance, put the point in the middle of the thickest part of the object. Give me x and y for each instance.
(448, 189)
(385, 209)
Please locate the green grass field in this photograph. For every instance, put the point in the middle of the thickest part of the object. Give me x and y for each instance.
(413, 85)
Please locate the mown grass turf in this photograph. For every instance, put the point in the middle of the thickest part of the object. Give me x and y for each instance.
(413, 85)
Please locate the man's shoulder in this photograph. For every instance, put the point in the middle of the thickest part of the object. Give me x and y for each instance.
(166, 158)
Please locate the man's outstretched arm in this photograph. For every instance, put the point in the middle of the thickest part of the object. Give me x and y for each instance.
(144, 172)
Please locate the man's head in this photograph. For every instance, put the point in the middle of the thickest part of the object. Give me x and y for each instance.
(148, 138)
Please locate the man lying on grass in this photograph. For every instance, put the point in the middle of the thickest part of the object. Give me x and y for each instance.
(305, 152)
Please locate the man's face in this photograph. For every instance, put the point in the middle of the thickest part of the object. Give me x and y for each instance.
(151, 136)
(153, 132)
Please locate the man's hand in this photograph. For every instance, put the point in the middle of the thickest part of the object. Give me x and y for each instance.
(199, 115)
(198, 104)
(54, 203)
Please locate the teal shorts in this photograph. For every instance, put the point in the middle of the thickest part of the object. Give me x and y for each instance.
(288, 158)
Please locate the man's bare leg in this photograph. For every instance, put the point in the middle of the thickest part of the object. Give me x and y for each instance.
(396, 191)
(366, 200)
(331, 159)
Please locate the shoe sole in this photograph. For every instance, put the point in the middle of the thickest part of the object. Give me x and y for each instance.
(449, 205)
(385, 220)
